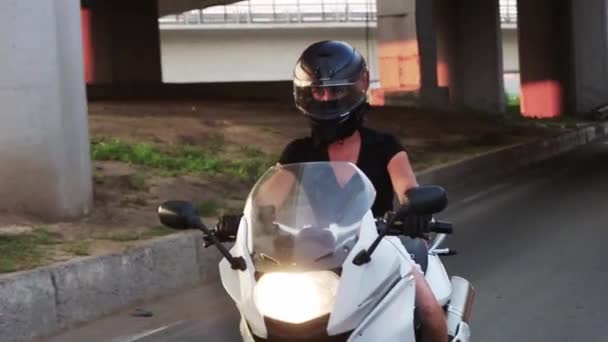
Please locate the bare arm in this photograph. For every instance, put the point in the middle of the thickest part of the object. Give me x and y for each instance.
(402, 174)
(281, 183)
(434, 327)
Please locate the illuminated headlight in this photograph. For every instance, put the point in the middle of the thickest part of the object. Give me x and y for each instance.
(296, 297)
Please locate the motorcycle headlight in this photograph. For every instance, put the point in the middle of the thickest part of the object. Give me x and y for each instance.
(296, 297)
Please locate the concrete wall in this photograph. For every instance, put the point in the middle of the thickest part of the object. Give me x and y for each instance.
(241, 54)
(184, 53)
(44, 145)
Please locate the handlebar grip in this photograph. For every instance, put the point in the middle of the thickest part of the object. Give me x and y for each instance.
(441, 227)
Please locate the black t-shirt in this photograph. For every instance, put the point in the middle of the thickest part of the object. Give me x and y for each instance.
(377, 149)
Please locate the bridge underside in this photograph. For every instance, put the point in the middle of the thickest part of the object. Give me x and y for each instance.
(439, 53)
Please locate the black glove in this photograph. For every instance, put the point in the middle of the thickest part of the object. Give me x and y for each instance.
(227, 227)
(416, 226)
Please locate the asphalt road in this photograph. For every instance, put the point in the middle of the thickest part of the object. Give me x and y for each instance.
(533, 247)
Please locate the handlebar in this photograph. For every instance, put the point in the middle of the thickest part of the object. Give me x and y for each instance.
(438, 227)
(441, 227)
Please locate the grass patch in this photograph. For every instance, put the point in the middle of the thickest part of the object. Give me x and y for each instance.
(25, 251)
(181, 158)
(137, 235)
(137, 200)
(157, 231)
(563, 121)
(215, 142)
(79, 248)
(210, 208)
(513, 104)
(247, 165)
(137, 181)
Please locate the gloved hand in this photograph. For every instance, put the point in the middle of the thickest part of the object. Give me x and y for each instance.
(416, 226)
(227, 227)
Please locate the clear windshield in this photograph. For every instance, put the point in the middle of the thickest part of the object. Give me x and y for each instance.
(307, 216)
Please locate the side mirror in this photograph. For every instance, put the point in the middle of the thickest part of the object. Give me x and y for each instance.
(426, 200)
(183, 215)
(178, 215)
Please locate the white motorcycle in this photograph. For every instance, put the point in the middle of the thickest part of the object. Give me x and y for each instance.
(311, 263)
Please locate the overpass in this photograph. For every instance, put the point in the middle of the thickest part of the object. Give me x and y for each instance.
(260, 40)
(444, 53)
(441, 53)
(271, 35)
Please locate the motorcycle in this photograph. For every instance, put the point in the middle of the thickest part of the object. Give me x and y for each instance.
(310, 262)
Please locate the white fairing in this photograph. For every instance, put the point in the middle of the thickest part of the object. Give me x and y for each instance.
(240, 285)
(373, 282)
(464, 333)
(438, 280)
(397, 306)
(245, 332)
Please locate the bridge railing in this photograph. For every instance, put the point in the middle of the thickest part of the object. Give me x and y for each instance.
(270, 11)
(299, 11)
(508, 11)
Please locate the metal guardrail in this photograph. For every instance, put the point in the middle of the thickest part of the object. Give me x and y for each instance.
(299, 11)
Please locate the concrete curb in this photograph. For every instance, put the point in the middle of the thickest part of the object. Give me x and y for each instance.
(48, 299)
(497, 164)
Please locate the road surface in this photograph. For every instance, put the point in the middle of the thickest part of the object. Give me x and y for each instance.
(533, 246)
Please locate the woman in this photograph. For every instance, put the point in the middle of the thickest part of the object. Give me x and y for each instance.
(331, 80)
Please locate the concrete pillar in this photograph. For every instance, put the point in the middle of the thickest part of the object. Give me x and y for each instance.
(44, 141)
(478, 81)
(589, 53)
(125, 41)
(445, 18)
(398, 46)
(87, 44)
(543, 58)
(407, 51)
(441, 52)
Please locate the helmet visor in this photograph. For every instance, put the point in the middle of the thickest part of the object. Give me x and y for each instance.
(331, 101)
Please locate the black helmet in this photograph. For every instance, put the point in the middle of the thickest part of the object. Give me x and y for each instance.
(330, 88)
